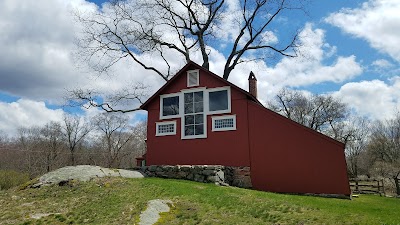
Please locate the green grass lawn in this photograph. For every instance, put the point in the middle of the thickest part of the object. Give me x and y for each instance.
(120, 201)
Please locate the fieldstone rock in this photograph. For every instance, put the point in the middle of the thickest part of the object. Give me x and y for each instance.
(198, 178)
(83, 173)
(152, 214)
(152, 168)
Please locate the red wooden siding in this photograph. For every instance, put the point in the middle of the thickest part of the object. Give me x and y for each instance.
(228, 148)
(287, 157)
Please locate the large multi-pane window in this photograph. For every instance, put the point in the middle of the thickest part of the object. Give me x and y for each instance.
(194, 114)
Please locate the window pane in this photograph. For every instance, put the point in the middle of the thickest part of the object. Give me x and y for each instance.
(199, 129)
(198, 107)
(171, 106)
(188, 108)
(189, 120)
(166, 128)
(224, 123)
(189, 130)
(218, 100)
(193, 78)
(198, 118)
(188, 97)
(198, 96)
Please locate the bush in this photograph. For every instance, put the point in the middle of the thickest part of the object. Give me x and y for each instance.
(11, 178)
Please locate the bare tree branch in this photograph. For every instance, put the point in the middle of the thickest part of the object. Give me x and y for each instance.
(154, 33)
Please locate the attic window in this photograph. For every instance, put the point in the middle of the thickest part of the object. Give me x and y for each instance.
(166, 128)
(224, 123)
(192, 78)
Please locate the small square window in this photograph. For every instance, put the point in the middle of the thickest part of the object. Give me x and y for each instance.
(165, 128)
(192, 78)
(224, 123)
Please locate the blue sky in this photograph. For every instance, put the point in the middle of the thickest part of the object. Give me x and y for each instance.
(354, 46)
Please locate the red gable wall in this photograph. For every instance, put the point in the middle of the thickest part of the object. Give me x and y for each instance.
(287, 157)
(228, 148)
(284, 156)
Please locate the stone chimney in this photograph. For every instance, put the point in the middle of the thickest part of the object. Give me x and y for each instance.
(253, 84)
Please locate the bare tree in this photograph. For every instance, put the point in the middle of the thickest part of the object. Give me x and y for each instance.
(115, 136)
(322, 113)
(3, 138)
(119, 101)
(52, 144)
(74, 131)
(27, 155)
(357, 140)
(385, 148)
(137, 145)
(144, 30)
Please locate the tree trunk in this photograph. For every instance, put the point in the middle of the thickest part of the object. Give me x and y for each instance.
(48, 164)
(73, 158)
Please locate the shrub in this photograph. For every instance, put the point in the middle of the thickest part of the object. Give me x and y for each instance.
(11, 178)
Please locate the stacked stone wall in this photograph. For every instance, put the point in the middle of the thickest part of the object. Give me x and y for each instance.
(222, 175)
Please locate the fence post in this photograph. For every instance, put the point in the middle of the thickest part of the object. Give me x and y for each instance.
(357, 190)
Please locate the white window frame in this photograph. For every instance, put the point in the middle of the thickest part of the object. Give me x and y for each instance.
(179, 104)
(228, 89)
(198, 78)
(214, 118)
(165, 123)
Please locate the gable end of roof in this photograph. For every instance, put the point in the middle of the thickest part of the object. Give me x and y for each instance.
(181, 71)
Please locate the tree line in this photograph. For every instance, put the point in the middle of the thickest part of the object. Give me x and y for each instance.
(107, 140)
(372, 147)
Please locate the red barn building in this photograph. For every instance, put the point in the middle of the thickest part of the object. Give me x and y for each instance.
(198, 118)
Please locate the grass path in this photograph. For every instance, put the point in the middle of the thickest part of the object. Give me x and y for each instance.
(120, 201)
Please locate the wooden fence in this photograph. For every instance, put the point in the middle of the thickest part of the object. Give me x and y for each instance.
(367, 186)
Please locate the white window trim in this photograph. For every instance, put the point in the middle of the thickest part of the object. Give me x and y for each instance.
(214, 118)
(207, 102)
(198, 77)
(206, 112)
(194, 89)
(183, 137)
(161, 106)
(165, 123)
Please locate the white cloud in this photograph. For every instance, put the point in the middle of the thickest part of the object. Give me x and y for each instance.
(308, 69)
(26, 113)
(374, 98)
(37, 61)
(36, 47)
(376, 21)
(382, 63)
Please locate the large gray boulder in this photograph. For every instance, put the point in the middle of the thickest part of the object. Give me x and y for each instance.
(83, 173)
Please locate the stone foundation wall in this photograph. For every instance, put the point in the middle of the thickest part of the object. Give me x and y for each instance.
(222, 175)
